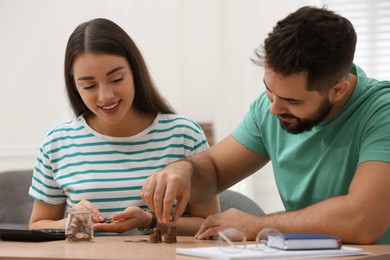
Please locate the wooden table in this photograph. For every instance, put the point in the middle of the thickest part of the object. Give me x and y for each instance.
(120, 247)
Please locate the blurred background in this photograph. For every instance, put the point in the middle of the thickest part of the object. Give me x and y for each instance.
(198, 52)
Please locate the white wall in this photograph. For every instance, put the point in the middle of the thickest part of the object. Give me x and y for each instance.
(198, 52)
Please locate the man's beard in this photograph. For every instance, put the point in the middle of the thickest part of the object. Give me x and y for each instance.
(305, 125)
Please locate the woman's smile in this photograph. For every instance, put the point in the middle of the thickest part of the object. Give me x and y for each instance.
(112, 108)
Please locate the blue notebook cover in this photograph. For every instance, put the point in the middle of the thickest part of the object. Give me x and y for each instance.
(303, 241)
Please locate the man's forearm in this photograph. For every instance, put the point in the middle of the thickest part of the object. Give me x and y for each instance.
(337, 216)
(203, 178)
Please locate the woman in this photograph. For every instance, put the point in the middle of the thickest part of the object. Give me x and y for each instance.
(123, 132)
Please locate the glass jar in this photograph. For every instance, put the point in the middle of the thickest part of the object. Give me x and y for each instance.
(79, 225)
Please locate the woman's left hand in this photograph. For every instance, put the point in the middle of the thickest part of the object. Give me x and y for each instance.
(132, 217)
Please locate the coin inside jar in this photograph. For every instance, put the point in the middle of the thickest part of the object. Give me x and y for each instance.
(79, 226)
(80, 235)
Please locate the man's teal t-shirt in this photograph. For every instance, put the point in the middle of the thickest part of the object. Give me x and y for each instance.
(319, 164)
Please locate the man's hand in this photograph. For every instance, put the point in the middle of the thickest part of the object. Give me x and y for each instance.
(231, 218)
(164, 187)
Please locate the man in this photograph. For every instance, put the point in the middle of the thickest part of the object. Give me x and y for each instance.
(324, 125)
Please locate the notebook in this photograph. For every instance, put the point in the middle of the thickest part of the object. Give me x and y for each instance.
(303, 241)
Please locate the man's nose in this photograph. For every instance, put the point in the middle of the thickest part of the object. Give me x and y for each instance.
(277, 106)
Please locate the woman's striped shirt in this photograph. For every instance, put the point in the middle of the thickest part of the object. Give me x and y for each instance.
(75, 162)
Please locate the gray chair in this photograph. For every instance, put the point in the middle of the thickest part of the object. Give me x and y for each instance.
(233, 199)
(15, 203)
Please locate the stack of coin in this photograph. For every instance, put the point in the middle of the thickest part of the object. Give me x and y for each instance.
(170, 236)
(172, 229)
(155, 237)
(157, 231)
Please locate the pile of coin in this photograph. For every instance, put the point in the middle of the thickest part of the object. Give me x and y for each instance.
(155, 237)
(78, 230)
(79, 226)
(169, 237)
(79, 236)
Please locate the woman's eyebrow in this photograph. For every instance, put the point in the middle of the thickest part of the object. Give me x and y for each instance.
(86, 78)
(107, 74)
(114, 70)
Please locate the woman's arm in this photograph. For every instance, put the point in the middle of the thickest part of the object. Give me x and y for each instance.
(52, 216)
(47, 216)
(135, 217)
(189, 226)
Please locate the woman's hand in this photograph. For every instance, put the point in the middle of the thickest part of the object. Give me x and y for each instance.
(132, 217)
(97, 217)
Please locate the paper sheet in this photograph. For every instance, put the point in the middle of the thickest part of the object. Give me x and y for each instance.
(250, 252)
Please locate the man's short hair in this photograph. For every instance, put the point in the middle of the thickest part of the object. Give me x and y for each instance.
(312, 40)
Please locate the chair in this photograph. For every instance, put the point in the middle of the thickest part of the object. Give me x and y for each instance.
(233, 199)
(15, 203)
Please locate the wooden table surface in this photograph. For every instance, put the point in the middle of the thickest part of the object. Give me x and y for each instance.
(128, 247)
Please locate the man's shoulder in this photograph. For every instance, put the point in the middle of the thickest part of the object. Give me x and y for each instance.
(376, 95)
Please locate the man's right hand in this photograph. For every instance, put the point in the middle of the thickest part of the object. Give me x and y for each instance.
(161, 190)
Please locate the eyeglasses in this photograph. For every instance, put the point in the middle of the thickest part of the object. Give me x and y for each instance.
(233, 241)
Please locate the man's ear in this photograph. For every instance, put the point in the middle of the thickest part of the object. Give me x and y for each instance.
(338, 91)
